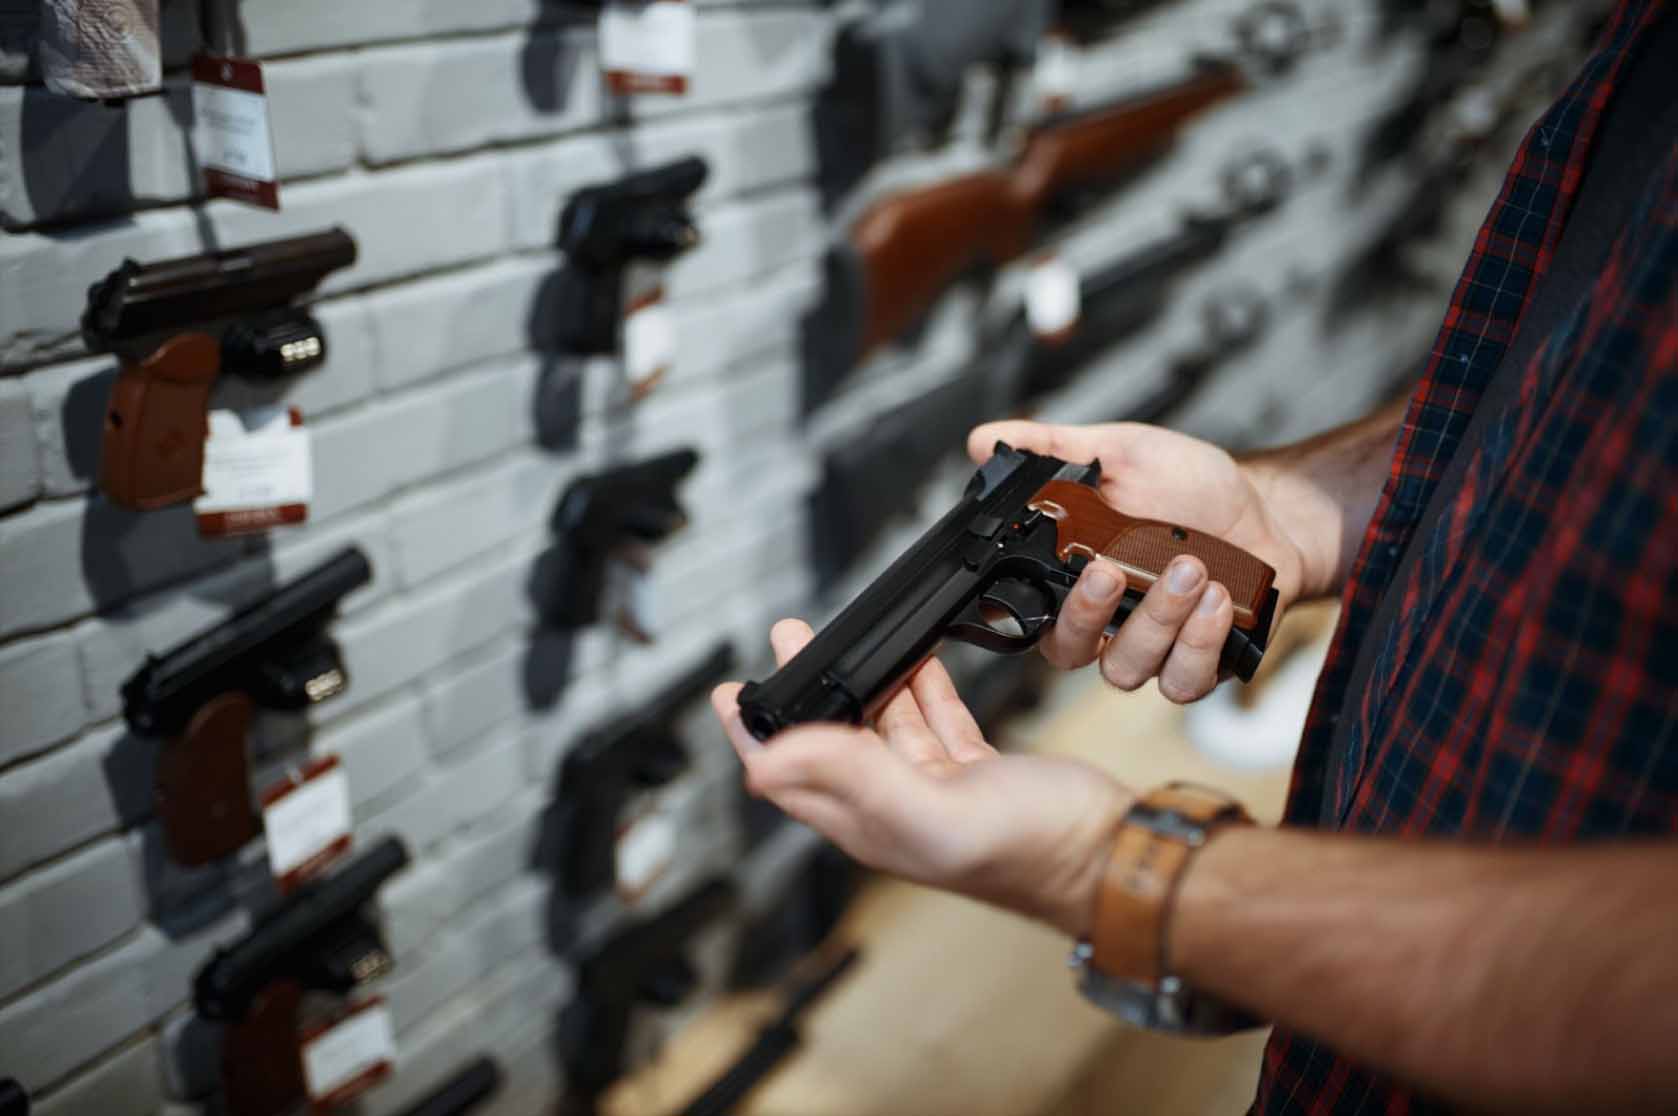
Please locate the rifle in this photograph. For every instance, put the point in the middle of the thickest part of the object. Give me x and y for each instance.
(994, 572)
(596, 518)
(606, 227)
(608, 766)
(643, 962)
(317, 940)
(775, 1042)
(463, 1092)
(203, 693)
(907, 249)
(179, 324)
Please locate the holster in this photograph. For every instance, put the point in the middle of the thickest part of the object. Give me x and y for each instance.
(155, 426)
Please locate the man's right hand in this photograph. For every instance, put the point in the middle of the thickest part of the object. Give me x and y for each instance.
(1178, 630)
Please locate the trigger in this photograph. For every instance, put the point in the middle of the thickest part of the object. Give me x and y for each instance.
(1027, 604)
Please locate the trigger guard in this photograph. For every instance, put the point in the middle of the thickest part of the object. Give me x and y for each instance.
(1031, 607)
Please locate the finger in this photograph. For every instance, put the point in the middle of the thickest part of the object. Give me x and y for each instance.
(1080, 444)
(905, 730)
(788, 638)
(822, 813)
(1138, 650)
(1191, 669)
(1075, 638)
(947, 715)
(845, 763)
(725, 701)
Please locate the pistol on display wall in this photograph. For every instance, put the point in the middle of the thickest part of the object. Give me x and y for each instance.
(605, 228)
(642, 963)
(318, 940)
(994, 572)
(601, 517)
(905, 251)
(202, 695)
(774, 1044)
(177, 326)
(463, 1092)
(608, 767)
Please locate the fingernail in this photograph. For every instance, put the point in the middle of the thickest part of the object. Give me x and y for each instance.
(1211, 600)
(1183, 577)
(1099, 583)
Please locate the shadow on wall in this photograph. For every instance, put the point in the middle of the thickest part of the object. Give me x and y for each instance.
(549, 65)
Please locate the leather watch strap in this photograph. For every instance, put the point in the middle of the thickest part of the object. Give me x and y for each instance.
(1155, 842)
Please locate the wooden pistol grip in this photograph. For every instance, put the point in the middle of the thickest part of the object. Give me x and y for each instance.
(153, 447)
(1143, 548)
(203, 783)
(914, 245)
(261, 1057)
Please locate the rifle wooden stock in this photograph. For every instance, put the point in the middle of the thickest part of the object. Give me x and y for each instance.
(914, 245)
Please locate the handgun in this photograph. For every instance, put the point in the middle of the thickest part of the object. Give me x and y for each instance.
(906, 250)
(994, 572)
(13, 1100)
(178, 325)
(775, 1042)
(463, 1092)
(610, 765)
(202, 695)
(606, 227)
(318, 940)
(597, 518)
(642, 963)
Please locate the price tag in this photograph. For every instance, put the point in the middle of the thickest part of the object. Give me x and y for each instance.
(1055, 77)
(258, 472)
(649, 343)
(1513, 13)
(1052, 299)
(230, 130)
(648, 47)
(645, 850)
(346, 1058)
(307, 822)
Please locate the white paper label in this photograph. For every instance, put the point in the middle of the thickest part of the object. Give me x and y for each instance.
(230, 131)
(649, 343)
(648, 47)
(1051, 298)
(352, 1049)
(1515, 13)
(258, 471)
(645, 850)
(307, 820)
(1056, 73)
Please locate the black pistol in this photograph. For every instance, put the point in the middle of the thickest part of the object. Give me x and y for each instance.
(643, 963)
(202, 695)
(318, 940)
(13, 1100)
(994, 572)
(597, 518)
(603, 228)
(610, 765)
(177, 326)
(463, 1092)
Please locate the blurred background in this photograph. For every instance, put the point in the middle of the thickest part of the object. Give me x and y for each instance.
(658, 325)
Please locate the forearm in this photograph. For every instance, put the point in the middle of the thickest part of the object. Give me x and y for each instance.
(1508, 979)
(1323, 492)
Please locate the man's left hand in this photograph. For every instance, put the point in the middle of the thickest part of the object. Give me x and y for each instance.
(925, 797)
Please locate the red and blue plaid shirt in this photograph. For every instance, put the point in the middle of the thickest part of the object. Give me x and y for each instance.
(1528, 685)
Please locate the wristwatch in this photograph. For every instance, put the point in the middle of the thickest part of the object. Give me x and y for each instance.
(1123, 965)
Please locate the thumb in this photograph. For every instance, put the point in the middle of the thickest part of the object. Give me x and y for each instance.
(1077, 444)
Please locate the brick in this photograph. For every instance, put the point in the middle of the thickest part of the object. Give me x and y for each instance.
(522, 86)
(421, 818)
(484, 782)
(586, 704)
(41, 692)
(179, 899)
(20, 469)
(44, 279)
(95, 785)
(423, 983)
(415, 903)
(747, 239)
(379, 750)
(714, 334)
(486, 860)
(68, 404)
(125, 1084)
(470, 697)
(442, 526)
(751, 56)
(508, 924)
(318, 24)
(78, 557)
(64, 911)
(434, 324)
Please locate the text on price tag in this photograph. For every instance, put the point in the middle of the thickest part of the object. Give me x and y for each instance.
(648, 47)
(307, 822)
(230, 133)
(349, 1056)
(258, 472)
(1052, 299)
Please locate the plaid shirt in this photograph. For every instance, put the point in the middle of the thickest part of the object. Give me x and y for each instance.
(1529, 683)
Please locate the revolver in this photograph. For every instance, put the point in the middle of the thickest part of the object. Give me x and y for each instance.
(994, 571)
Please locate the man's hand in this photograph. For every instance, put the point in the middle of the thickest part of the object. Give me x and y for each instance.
(1178, 630)
(927, 799)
